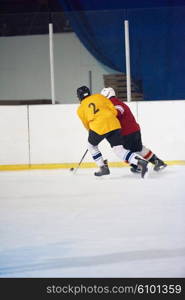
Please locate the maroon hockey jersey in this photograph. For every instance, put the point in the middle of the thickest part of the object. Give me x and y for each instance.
(125, 116)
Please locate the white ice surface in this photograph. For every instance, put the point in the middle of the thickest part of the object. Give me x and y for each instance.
(57, 224)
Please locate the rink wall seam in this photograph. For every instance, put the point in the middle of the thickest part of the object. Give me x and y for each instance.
(72, 165)
(52, 136)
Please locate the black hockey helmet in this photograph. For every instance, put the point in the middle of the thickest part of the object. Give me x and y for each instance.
(83, 92)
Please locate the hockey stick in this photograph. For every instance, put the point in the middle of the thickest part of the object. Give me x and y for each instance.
(74, 170)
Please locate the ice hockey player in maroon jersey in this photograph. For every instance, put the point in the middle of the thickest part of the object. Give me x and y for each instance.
(131, 132)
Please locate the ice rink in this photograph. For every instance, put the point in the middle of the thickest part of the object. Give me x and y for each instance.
(54, 223)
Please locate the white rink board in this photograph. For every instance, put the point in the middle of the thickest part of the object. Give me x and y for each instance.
(13, 135)
(56, 134)
(162, 126)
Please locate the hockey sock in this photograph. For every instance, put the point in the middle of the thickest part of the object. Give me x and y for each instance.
(96, 154)
(128, 156)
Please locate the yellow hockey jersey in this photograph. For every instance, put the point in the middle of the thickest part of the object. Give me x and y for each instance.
(98, 114)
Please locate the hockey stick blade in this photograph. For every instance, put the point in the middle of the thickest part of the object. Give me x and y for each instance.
(75, 170)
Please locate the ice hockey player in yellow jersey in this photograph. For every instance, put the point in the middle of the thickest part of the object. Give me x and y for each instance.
(99, 117)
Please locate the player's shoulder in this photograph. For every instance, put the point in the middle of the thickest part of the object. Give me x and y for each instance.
(119, 102)
(96, 98)
(116, 100)
(79, 108)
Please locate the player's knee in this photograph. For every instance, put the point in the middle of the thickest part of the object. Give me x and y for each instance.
(92, 148)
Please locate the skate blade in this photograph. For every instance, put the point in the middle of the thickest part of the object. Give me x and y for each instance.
(160, 168)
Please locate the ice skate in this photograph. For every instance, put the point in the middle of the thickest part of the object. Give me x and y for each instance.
(104, 170)
(159, 165)
(142, 164)
(135, 169)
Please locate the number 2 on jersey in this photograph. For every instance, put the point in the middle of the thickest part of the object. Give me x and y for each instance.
(95, 110)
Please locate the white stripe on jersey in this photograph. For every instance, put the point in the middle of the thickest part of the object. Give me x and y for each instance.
(120, 108)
